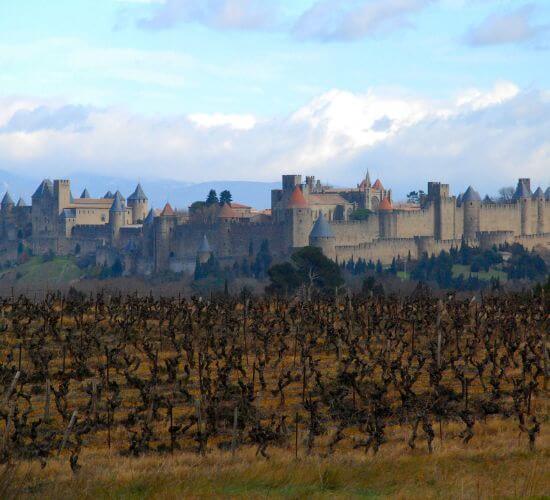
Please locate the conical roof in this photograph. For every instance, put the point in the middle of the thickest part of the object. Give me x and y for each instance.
(85, 194)
(227, 212)
(138, 194)
(167, 210)
(45, 188)
(377, 184)
(547, 194)
(21, 203)
(118, 203)
(321, 228)
(385, 205)
(522, 190)
(487, 199)
(204, 246)
(108, 195)
(150, 217)
(297, 199)
(7, 200)
(471, 195)
(539, 193)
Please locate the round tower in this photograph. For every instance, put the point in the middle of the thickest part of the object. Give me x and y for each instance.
(163, 225)
(323, 237)
(138, 202)
(471, 203)
(298, 219)
(386, 220)
(117, 215)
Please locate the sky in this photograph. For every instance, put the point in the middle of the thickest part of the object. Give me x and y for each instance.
(197, 90)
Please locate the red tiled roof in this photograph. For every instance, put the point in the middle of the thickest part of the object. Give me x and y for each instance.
(297, 199)
(385, 205)
(377, 184)
(227, 212)
(167, 210)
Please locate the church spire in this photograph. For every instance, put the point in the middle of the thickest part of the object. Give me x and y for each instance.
(367, 179)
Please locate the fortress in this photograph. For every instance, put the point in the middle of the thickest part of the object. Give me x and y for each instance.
(302, 213)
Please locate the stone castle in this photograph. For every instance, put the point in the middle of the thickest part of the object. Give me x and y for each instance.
(302, 213)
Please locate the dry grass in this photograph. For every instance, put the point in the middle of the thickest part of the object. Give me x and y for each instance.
(495, 464)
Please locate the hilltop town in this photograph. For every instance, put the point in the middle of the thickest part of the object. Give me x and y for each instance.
(148, 241)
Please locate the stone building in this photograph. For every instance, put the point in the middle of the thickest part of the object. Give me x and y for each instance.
(302, 213)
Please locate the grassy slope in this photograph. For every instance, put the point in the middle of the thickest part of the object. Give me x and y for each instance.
(36, 272)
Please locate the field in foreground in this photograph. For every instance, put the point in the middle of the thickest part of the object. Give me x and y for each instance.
(489, 467)
(129, 397)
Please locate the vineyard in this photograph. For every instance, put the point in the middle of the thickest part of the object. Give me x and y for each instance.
(265, 381)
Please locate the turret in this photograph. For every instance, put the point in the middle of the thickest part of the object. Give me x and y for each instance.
(323, 237)
(138, 202)
(386, 219)
(471, 203)
(117, 216)
(299, 219)
(85, 194)
(164, 225)
(7, 203)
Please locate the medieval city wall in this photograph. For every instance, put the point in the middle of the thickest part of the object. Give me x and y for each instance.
(500, 217)
(356, 232)
(227, 239)
(532, 241)
(420, 223)
(384, 250)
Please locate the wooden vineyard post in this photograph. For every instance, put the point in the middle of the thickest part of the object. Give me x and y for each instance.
(234, 436)
(94, 399)
(67, 432)
(47, 402)
(199, 425)
(107, 399)
(296, 437)
(7, 430)
(12, 387)
(171, 409)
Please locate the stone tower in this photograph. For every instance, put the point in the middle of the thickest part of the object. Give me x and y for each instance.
(386, 219)
(62, 194)
(444, 207)
(298, 219)
(538, 205)
(117, 216)
(163, 229)
(471, 203)
(523, 197)
(138, 202)
(323, 237)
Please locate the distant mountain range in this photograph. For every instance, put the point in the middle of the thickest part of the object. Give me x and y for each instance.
(159, 191)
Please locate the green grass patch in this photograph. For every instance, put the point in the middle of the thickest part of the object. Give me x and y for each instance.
(56, 271)
(464, 270)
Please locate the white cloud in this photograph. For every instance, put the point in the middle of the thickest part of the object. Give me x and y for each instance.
(484, 137)
(220, 14)
(237, 122)
(506, 27)
(328, 20)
